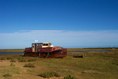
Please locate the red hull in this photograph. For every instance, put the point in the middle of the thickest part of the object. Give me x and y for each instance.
(50, 52)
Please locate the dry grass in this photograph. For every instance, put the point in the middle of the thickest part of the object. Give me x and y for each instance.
(93, 66)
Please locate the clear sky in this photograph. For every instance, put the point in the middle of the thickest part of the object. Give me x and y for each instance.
(67, 23)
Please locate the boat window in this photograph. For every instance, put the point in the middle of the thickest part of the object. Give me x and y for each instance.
(45, 44)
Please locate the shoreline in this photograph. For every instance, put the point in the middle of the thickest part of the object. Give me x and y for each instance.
(11, 50)
(69, 49)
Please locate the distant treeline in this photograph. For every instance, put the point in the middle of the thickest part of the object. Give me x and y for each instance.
(11, 50)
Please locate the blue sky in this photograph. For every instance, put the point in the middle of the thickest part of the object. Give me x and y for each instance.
(67, 23)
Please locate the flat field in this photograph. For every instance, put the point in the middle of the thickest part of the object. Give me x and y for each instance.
(89, 64)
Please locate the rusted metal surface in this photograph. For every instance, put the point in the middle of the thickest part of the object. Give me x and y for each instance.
(46, 52)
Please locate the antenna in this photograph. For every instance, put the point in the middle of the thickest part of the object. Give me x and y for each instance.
(36, 41)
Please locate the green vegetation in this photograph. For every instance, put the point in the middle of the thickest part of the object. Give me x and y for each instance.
(94, 65)
(49, 74)
(21, 59)
(30, 65)
(7, 75)
(69, 77)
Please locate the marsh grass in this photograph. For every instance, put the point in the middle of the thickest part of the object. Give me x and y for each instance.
(29, 65)
(21, 59)
(93, 66)
(12, 64)
(9, 58)
(13, 60)
(7, 75)
(31, 60)
(7, 72)
(69, 77)
(2, 58)
(49, 74)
